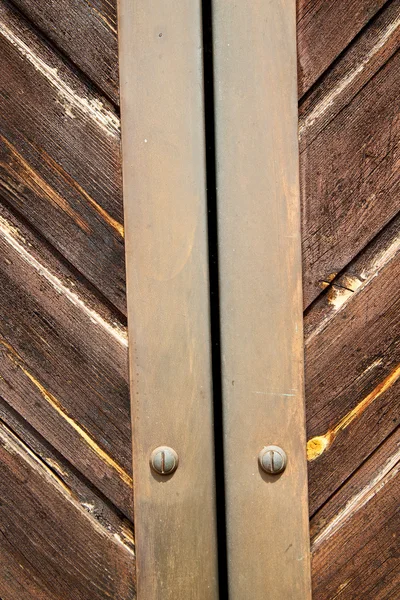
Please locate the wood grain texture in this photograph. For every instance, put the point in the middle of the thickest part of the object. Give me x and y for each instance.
(64, 361)
(349, 179)
(355, 536)
(51, 547)
(60, 156)
(352, 366)
(324, 29)
(85, 31)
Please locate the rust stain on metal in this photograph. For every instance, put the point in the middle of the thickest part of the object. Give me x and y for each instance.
(317, 445)
(57, 406)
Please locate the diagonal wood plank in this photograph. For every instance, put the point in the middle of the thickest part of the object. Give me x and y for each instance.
(64, 361)
(353, 365)
(324, 29)
(349, 179)
(51, 546)
(86, 31)
(354, 537)
(60, 156)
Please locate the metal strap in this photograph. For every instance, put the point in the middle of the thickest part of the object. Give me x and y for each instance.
(168, 298)
(261, 298)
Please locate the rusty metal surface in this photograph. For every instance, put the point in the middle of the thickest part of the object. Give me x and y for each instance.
(261, 298)
(168, 296)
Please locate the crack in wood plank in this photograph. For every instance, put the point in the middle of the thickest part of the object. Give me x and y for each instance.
(316, 446)
(57, 406)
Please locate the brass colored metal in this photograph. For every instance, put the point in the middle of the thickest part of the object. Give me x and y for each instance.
(168, 295)
(255, 86)
(273, 460)
(164, 460)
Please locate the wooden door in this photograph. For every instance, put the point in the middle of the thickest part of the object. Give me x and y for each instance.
(66, 522)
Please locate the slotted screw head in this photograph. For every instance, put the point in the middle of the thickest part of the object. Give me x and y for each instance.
(272, 459)
(164, 460)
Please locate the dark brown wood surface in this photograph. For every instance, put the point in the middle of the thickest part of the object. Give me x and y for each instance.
(63, 350)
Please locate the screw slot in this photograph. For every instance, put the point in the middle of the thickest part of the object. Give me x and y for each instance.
(272, 460)
(164, 460)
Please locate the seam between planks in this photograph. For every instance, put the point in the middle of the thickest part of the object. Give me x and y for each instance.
(12, 236)
(15, 445)
(107, 120)
(327, 101)
(388, 472)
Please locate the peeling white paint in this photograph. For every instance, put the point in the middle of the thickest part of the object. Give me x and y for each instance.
(358, 501)
(17, 448)
(327, 101)
(382, 259)
(104, 118)
(12, 237)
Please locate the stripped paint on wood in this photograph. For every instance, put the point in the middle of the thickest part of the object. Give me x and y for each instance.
(324, 30)
(85, 31)
(66, 356)
(362, 60)
(50, 545)
(354, 535)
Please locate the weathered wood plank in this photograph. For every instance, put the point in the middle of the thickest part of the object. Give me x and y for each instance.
(60, 156)
(51, 546)
(64, 362)
(349, 179)
(79, 355)
(352, 366)
(76, 202)
(355, 535)
(324, 29)
(357, 66)
(90, 499)
(85, 31)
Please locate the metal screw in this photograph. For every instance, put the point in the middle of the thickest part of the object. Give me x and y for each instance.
(272, 459)
(164, 460)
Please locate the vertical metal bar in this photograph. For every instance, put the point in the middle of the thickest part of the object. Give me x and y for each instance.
(168, 296)
(261, 299)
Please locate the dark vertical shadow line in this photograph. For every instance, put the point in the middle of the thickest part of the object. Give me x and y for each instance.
(214, 292)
